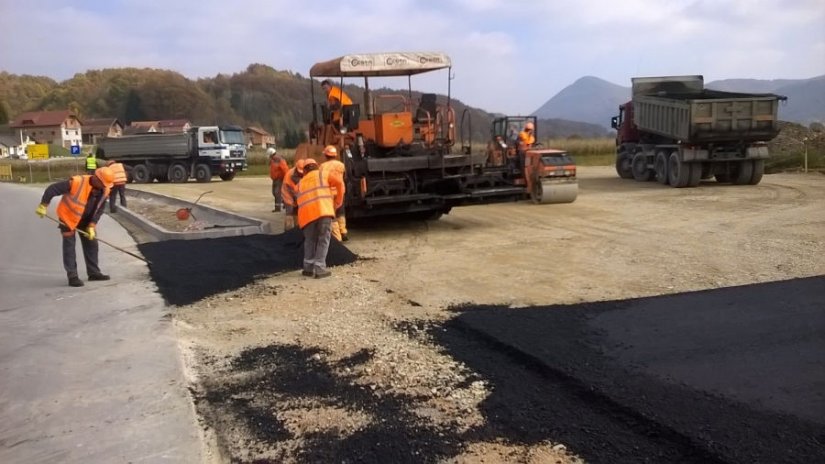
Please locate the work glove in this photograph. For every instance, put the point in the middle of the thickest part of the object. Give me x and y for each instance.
(90, 233)
(41, 210)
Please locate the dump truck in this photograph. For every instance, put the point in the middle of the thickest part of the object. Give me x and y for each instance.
(678, 132)
(399, 151)
(200, 153)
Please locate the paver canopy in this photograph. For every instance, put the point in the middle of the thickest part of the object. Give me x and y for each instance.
(381, 64)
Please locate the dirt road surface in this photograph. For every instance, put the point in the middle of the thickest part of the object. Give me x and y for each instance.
(353, 369)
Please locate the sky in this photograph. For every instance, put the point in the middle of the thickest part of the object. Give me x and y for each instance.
(508, 56)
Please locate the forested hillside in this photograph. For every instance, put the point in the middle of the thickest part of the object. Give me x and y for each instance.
(278, 101)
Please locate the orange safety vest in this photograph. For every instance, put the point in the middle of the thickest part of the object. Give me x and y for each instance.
(526, 138)
(120, 173)
(73, 204)
(289, 186)
(336, 168)
(335, 93)
(314, 197)
(277, 168)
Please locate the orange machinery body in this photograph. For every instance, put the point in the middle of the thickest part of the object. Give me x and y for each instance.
(536, 169)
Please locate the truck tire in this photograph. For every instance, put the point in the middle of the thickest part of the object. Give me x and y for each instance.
(695, 174)
(742, 173)
(140, 174)
(660, 166)
(640, 171)
(624, 165)
(178, 173)
(203, 173)
(227, 176)
(678, 171)
(758, 171)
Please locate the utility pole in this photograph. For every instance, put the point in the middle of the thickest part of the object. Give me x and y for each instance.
(805, 142)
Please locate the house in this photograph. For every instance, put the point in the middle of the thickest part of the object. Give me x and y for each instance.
(54, 127)
(173, 126)
(12, 146)
(167, 126)
(141, 127)
(255, 136)
(94, 129)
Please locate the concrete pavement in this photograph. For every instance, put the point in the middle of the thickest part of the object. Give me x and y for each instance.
(90, 374)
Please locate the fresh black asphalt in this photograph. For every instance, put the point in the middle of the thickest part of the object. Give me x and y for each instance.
(734, 375)
(186, 271)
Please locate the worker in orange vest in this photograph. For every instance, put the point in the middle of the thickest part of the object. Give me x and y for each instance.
(316, 210)
(291, 179)
(336, 99)
(336, 168)
(119, 187)
(80, 208)
(526, 138)
(277, 171)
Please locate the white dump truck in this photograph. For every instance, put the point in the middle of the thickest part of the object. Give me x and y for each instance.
(200, 152)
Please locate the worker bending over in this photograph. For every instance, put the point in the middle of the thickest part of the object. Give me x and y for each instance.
(291, 179)
(336, 168)
(119, 187)
(80, 208)
(316, 210)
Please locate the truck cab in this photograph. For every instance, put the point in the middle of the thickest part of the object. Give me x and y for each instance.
(223, 146)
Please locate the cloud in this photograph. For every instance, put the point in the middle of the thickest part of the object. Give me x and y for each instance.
(509, 56)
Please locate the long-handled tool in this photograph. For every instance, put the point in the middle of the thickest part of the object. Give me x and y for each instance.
(84, 233)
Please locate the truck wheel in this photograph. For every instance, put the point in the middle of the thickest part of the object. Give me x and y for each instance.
(140, 174)
(178, 173)
(203, 173)
(624, 167)
(640, 171)
(695, 174)
(678, 171)
(227, 176)
(743, 172)
(758, 171)
(660, 167)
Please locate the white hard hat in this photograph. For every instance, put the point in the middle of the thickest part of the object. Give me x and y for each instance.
(271, 151)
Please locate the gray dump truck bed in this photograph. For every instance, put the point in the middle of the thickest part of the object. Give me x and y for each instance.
(146, 145)
(684, 111)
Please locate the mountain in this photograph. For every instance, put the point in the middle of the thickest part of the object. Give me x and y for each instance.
(589, 99)
(595, 100)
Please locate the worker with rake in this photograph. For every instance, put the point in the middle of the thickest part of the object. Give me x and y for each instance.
(80, 208)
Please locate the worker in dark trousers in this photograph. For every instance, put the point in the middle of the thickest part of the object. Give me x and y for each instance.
(119, 187)
(80, 208)
(316, 211)
(277, 170)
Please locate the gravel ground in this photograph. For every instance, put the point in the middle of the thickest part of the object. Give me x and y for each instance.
(358, 368)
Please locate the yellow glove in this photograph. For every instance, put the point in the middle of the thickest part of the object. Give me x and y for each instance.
(41, 210)
(90, 233)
